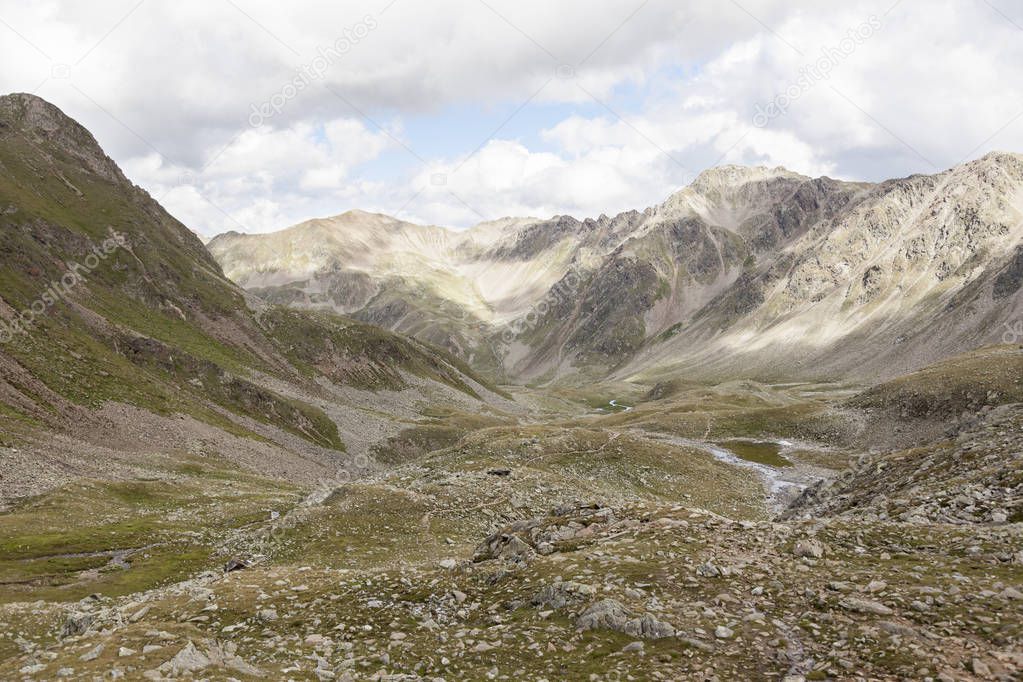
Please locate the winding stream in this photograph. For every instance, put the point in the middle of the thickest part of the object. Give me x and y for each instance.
(782, 484)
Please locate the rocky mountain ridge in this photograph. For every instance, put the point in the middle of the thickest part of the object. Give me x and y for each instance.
(715, 279)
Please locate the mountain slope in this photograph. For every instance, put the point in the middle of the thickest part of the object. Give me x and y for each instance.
(913, 271)
(961, 460)
(106, 299)
(742, 268)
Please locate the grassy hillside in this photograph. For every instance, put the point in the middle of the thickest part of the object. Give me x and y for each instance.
(143, 312)
(360, 354)
(985, 377)
(106, 297)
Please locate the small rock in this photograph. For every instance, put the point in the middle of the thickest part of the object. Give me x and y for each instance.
(235, 565)
(92, 654)
(708, 570)
(1011, 593)
(697, 644)
(980, 668)
(139, 615)
(865, 606)
(810, 548)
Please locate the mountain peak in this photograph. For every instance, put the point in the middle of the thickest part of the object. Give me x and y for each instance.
(998, 156)
(731, 176)
(727, 194)
(33, 116)
(1009, 162)
(30, 106)
(360, 213)
(25, 111)
(360, 217)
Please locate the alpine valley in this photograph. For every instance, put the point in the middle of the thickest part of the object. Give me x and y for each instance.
(771, 428)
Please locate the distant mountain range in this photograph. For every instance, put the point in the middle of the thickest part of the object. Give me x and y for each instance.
(752, 272)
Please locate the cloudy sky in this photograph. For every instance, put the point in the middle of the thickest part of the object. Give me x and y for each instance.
(253, 115)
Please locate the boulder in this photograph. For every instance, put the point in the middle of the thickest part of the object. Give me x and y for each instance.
(606, 613)
(609, 614)
(235, 565)
(865, 606)
(648, 627)
(506, 546)
(558, 595)
(188, 660)
(77, 623)
(809, 549)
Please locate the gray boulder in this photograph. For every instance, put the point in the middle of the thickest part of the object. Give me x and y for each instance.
(809, 549)
(606, 613)
(559, 595)
(77, 623)
(609, 614)
(508, 547)
(648, 627)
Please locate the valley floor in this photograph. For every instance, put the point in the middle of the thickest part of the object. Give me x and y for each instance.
(574, 539)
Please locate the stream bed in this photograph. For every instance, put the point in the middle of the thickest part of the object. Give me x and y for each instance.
(783, 484)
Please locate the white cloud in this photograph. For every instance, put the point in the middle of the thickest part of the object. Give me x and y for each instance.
(266, 178)
(174, 83)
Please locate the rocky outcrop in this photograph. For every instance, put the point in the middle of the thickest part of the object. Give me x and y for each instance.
(975, 478)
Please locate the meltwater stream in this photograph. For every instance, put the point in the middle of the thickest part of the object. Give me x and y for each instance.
(783, 484)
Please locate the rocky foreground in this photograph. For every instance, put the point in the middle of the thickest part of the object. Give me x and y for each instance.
(588, 592)
(551, 552)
